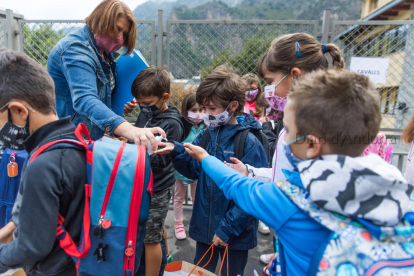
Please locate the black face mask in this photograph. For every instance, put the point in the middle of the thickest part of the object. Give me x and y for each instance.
(151, 110)
(13, 136)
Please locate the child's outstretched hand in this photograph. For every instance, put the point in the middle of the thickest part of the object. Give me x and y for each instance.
(195, 152)
(238, 166)
(168, 147)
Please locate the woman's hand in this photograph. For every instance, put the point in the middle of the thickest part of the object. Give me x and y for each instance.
(6, 233)
(195, 152)
(129, 107)
(217, 241)
(168, 147)
(139, 135)
(238, 166)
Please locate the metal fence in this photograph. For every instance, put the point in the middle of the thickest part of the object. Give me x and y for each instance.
(3, 42)
(392, 40)
(196, 47)
(40, 36)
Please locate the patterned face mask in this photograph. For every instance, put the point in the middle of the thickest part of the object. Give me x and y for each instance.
(275, 102)
(251, 95)
(275, 116)
(13, 136)
(217, 120)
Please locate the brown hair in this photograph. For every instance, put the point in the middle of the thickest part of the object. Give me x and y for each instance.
(339, 106)
(281, 56)
(254, 79)
(22, 78)
(188, 102)
(103, 21)
(151, 82)
(408, 133)
(222, 86)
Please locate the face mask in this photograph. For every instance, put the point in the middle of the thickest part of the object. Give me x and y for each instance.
(275, 102)
(217, 120)
(12, 136)
(251, 95)
(151, 110)
(195, 118)
(108, 43)
(275, 116)
(293, 160)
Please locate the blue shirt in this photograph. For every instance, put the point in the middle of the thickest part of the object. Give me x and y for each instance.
(299, 234)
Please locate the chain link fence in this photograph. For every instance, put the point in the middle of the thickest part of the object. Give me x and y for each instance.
(39, 37)
(393, 42)
(3, 33)
(195, 48)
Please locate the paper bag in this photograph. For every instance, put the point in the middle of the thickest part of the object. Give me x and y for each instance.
(183, 269)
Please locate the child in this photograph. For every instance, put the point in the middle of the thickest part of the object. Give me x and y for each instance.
(192, 112)
(321, 106)
(254, 92)
(216, 219)
(51, 184)
(288, 58)
(151, 89)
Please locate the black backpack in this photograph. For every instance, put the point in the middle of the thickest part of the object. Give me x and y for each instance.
(240, 140)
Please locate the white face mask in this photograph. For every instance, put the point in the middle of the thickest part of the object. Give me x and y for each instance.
(217, 120)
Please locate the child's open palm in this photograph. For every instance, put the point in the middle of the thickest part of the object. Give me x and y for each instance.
(238, 166)
(195, 152)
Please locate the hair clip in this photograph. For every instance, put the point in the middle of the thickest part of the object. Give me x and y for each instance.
(324, 48)
(298, 51)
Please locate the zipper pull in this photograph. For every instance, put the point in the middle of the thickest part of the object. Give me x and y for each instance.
(99, 232)
(129, 252)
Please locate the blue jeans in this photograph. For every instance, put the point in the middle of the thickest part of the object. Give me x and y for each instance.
(237, 259)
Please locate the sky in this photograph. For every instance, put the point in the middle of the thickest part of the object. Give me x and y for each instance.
(58, 9)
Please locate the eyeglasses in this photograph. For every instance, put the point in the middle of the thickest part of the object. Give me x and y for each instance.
(28, 107)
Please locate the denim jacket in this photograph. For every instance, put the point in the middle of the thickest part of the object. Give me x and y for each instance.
(83, 82)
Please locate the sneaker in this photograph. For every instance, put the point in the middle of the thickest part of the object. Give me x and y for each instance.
(180, 231)
(169, 258)
(265, 270)
(266, 258)
(263, 228)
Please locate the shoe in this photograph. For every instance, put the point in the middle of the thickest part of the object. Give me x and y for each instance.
(265, 270)
(263, 228)
(169, 258)
(180, 231)
(265, 258)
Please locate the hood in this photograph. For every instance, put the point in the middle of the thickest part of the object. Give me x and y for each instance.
(363, 187)
(172, 113)
(228, 131)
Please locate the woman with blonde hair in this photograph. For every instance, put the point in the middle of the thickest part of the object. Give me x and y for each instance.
(82, 65)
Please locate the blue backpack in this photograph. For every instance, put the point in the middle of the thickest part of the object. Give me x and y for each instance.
(12, 160)
(117, 201)
(357, 247)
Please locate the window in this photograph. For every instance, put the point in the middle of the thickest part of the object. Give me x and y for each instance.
(388, 100)
(374, 4)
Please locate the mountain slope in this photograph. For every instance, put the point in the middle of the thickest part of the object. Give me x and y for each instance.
(271, 10)
(149, 9)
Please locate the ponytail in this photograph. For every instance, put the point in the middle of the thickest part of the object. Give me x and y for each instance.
(299, 50)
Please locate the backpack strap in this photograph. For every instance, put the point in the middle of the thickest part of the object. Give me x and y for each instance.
(205, 139)
(239, 142)
(65, 240)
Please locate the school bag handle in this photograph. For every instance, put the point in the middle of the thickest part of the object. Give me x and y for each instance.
(80, 131)
(226, 253)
